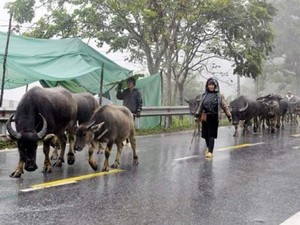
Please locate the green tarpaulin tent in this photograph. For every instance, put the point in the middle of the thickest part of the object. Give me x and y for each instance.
(150, 88)
(70, 62)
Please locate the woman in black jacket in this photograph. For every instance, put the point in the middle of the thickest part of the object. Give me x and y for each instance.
(209, 112)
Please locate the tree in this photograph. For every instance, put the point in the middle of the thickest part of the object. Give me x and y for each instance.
(287, 26)
(178, 36)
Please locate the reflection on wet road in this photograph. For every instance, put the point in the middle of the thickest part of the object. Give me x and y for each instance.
(252, 179)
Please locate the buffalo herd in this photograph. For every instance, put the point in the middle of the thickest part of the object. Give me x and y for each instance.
(268, 112)
(55, 116)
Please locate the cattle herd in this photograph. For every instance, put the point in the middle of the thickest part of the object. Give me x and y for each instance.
(269, 112)
(55, 116)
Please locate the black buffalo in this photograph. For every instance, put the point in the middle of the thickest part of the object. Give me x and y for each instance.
(294, 109)
(244, 109)
(273, 109)
(86, 105)
(40, 112)
(109, 124)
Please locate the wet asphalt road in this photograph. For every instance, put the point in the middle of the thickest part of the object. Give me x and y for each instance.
(252, 179)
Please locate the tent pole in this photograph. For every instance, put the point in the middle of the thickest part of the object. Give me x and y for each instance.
(101, 84)
(4, 60)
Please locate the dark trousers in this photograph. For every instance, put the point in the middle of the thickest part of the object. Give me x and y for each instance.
(210, 143)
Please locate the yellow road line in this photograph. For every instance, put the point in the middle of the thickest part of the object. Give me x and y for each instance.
(68, 180)
(240, 146)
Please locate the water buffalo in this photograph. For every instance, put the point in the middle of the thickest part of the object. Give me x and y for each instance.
(273, 114)
(193, 103)
(293, 110)
(86, 105)
(109, 124)
(193, 106)
(244, 109)
(284, 108)
(40, 112)
(273, 108)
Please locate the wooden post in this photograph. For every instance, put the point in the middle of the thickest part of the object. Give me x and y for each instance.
(5, 58)
(162, 92)
(101, 85)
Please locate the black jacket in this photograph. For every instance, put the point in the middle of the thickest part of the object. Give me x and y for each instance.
(131, 99)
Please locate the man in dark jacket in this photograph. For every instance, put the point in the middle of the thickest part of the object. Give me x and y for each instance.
(131, 97)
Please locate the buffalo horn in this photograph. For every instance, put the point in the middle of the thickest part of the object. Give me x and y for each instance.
(49, 137)
(97, 127)
(100, 136)
(244, 108)
(14, 134)
(90, 125)
(43, 131)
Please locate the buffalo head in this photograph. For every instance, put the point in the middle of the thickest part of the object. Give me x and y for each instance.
(272, 107)
(238, 113)
(27, 142)
(86, 133)
(193, 103)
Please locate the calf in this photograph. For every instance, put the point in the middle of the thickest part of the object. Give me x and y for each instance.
(109, 124)
(194, 103)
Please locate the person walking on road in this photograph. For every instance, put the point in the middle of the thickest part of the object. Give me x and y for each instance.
(209, 113)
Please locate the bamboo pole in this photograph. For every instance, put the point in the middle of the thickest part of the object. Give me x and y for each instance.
(4, 60)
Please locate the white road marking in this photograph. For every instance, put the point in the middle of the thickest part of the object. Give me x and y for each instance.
(294, 220)
(295, 135)
(188, 157)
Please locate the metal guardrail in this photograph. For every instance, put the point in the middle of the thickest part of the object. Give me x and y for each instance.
(147, 111)
(165, 110)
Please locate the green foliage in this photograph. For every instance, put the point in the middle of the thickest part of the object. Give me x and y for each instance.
(178, 36)
(287, 26)
(22, 10)
(7, 144)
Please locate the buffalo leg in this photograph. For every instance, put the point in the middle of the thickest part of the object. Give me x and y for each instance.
(118, 156)
(71, 155)
(19, 170)
(92, 161)
(235, 130)
(255, 125)
(63, 141)
(47, 163)
(107, 154)
(54, 142)
(133, 146)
